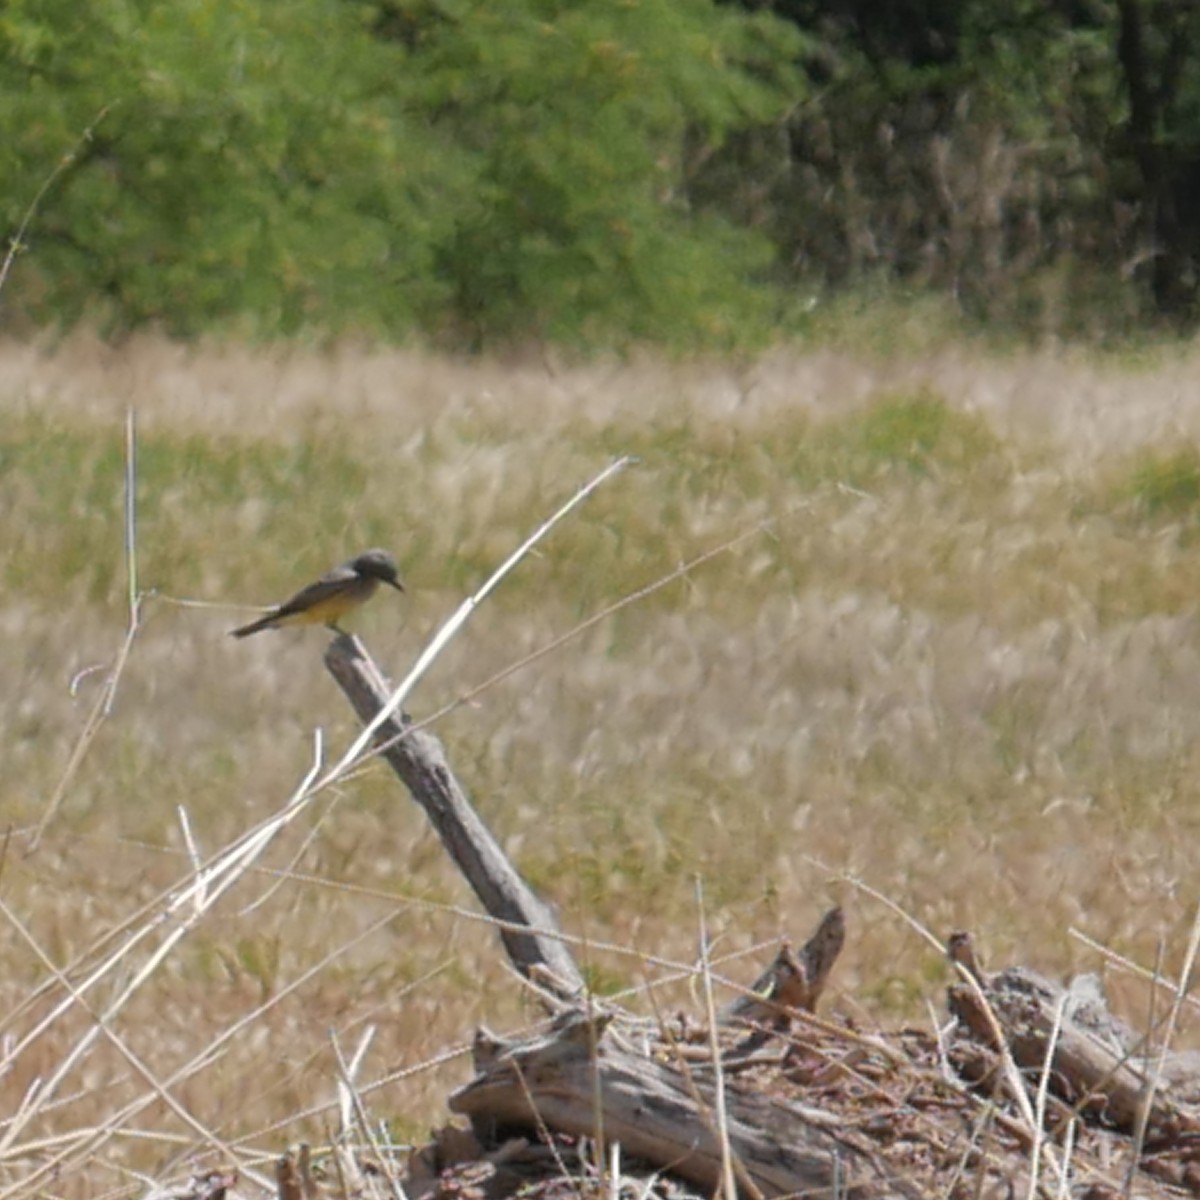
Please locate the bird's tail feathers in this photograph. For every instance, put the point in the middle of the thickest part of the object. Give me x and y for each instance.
(253, 627)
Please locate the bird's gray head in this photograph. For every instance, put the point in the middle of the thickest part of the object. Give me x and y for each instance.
(378, 564)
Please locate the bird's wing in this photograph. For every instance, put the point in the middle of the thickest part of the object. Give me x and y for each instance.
(330, 584)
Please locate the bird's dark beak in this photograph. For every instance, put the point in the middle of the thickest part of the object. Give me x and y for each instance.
(396, 584)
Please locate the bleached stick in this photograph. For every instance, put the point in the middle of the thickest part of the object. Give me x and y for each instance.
(444, 635)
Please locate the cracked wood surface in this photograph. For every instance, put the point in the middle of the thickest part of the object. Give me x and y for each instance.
(528, 927)
(577, 1076)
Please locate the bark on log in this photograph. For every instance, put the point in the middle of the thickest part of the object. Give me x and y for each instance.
(417, 757)
(577, 1077)
(792, 982)
(1099, 1065)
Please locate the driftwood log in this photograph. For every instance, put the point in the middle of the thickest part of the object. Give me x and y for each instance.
(843, 1115)
(1098, 1065)
(792, 983)
(582, 1076)
(527, 926)
(604, 1075)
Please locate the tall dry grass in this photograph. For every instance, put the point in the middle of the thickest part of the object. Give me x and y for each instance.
(959, 664)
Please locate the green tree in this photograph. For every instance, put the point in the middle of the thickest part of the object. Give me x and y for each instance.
(238, 176)
(584, 121)
(470, 170)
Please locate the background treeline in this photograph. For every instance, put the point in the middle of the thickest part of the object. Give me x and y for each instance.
(598, 170)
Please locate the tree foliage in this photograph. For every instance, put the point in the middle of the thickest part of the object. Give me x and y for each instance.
(597, 171)
(576, 120)
(479, 170)
(230, 178)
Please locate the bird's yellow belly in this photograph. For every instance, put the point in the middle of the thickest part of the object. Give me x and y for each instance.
(324, 612)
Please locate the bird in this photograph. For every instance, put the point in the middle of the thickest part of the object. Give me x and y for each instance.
(331, 597)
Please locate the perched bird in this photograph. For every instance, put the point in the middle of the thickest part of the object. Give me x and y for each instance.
(332, 596)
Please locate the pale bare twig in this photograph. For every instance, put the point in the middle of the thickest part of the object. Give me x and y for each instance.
(1043, 1091)
(459, 618)
(187, 905)
(104, 701)
(721, 1115)
(1151, 975)
(1185, 986)
(353, 1103)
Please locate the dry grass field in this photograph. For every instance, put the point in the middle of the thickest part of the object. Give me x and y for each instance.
(958, 667)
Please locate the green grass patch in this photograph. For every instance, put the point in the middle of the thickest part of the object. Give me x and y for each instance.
(917, 433)
(1167, 486)
(194, 496)
(883, 319)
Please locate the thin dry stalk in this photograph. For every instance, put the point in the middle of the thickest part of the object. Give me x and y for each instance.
(718, 1126)
(1185, 985)
(91, 727)
(353, 1100)
(728, 1182)
(1068, 1151)
(108, 693)
(451, 628)
(1151, 976)
(1144, 1109)
(344, 1188)
(635, 597)
(348, 1075)
(157, 1088)
(195, 899)
(131, 572)
(977, 1148)
(543, 1130)
(1043, 1091)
